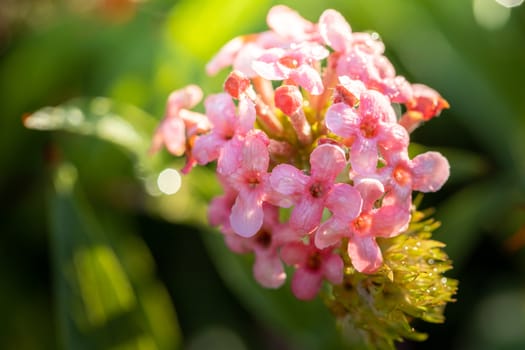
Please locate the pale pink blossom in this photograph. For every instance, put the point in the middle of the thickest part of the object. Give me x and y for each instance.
(296, 63)
(372, 222)
(370, 127)
(335, 31)
(289, 24)
(427, 172)
(249, 179)
(425, 104)
(309, 192)
(180, 123)
(360, 57)
(287, 27)
(228, 130)
(312, 266)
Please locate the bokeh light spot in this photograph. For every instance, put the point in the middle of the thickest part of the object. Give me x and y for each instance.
(510, 3)
(489, 14)
(169, 181)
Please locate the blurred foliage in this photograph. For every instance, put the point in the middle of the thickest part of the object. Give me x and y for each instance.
(78, 229)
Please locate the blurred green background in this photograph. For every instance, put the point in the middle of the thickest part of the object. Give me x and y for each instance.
(92, 256)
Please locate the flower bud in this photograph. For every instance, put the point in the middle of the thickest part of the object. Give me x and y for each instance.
(288, 99)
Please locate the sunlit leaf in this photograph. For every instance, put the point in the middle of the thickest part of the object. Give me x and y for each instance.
(124, 125)
(106, 293)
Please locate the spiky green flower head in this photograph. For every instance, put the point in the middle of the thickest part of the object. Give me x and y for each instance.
(378, 309)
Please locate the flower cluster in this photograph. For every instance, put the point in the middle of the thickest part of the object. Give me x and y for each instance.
(310, 151)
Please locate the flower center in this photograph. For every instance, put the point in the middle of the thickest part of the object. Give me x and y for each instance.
(253, 181)
(362, 223)
(289, 62)
(314, 261)
(368, 128)
(401, 175)
(316, 190)
(264, 238)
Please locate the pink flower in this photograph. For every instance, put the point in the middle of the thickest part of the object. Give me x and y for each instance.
(361, 57)
(227, 132)
(373, 126)
(312, 266)
(296, 64)
(289, 24)
(309, 193)
(335, 31)
(179, 122)
(427, 172)
(425, 104)
(385, 221)
(265, 244)
(250, 161)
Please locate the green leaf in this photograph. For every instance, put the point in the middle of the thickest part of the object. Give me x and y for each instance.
(124, 125)
(106, 293)
(469, 211)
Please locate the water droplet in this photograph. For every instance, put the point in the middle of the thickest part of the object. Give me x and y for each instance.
(430, 261)
(444, 280)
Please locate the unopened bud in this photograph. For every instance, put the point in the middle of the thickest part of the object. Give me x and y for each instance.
(288, 99)
(236, 84)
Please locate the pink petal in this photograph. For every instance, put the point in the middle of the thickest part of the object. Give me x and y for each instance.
(309, 78)
(237, 244)
(377, 106)
(330, 233)
(306, 284)
(364, 156)
(365, 254)
(288, 180)
(392, 140)
(171, 132)
(333, 268)
(335, 30)
(430, 170)
(225, 56)
(295, 254)
(219, 210)
(389, 221)
(345, 202)
(243, 61)
(207, 148)
(288, 23)
(268, 270)
(326, 162)
(230, 156)
(195, 122)
(307, 214)
(246, 115)
(187, 97)
(220, 109)
(255, 156)
(266, 65)
(342, 120)
(247, 215)
(371, 190)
